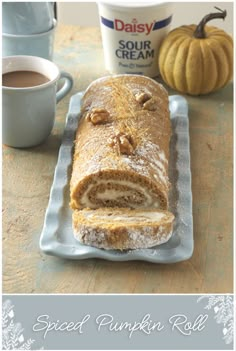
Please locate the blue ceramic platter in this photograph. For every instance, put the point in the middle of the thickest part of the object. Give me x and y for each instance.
(57, 236)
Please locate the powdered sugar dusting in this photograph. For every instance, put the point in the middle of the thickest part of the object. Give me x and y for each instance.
(137, 238)
(145, 165)
(154, 158)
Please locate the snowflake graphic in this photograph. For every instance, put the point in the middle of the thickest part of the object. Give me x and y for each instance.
(12, 333)
(223, 307)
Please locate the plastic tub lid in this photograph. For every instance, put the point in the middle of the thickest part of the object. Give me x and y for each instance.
(132, 5)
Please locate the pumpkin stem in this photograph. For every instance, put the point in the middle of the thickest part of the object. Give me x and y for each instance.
(200, 30)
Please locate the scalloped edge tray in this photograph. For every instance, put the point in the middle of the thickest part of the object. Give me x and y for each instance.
(57, 236)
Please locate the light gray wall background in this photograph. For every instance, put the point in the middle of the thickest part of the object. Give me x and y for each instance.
(86, 13)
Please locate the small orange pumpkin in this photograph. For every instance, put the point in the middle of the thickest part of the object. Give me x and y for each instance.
(197, 60)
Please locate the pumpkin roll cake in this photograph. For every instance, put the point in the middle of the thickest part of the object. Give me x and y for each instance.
(122, 228)
(121, 147)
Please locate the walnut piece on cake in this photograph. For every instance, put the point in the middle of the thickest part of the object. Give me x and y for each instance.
(146, 100)
(97, 116)
(143, 97)
(123, 143)
(150, 105)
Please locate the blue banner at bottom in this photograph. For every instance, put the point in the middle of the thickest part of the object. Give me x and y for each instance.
(117, 322)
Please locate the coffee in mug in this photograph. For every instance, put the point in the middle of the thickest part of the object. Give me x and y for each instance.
(23, 79)
(29, 98)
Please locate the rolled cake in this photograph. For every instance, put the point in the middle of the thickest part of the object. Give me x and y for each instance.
(122, 228)
(122, 145)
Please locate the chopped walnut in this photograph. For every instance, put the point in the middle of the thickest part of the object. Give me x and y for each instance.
(125, 146)
(97, 116)
(147, 101)
(123, 143)
(150, 105)
(142, 97)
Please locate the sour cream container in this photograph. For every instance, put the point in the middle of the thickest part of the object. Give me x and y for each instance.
(132, 34)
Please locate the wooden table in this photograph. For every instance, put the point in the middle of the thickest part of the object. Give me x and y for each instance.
(27, 178)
